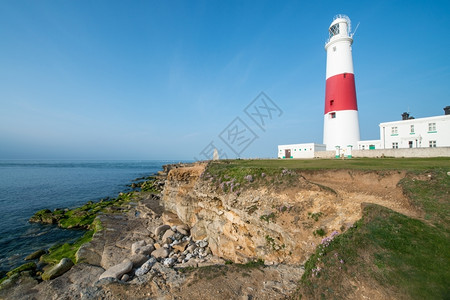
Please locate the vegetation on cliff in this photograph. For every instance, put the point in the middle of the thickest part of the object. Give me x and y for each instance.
(388, 251)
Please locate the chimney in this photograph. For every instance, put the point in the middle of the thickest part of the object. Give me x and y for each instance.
(447, 110)
(405, 116)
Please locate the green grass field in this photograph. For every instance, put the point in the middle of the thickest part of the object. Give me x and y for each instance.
(354, 163)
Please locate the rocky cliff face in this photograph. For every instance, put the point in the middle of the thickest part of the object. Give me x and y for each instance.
(277, 222)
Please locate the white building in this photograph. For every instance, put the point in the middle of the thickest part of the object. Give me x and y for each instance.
(416, 133)
(299, 150)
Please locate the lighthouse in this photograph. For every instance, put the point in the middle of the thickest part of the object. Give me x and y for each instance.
(341, 125)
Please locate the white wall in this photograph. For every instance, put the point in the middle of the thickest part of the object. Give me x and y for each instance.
(365, 145)
(406, 152)
(421, 136)
(306, 150)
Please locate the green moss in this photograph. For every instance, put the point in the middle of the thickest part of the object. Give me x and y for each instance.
(24, 267)
(59, 251)
(83, 216)
(31, 266)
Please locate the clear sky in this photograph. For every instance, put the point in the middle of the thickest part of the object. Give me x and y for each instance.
(162, 79)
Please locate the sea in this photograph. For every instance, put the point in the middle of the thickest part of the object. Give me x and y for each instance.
(27, 186)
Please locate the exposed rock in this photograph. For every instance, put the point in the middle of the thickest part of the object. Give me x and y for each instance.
(171, 218)
(146, 250)
(161, 253)
(145, 267)
(136, 246)
(161, 229)
(125, 277)
(202, 244)
(181, 246)
(169, 262)
(62, 267)
(118, 270)
(167, 235)
(88, 253)
(183, 229)
(36, 254)
(138, 260)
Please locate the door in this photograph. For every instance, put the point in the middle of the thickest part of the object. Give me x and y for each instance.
(410, 144)
(287, 153)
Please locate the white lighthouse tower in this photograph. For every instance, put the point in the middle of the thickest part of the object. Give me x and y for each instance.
(341, 126)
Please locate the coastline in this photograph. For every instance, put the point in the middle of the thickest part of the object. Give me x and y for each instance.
(78, 218)
(31, 185)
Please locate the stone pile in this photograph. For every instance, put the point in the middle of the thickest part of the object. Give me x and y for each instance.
(171, 246)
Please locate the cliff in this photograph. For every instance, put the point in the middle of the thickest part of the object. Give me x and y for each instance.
(277, 216)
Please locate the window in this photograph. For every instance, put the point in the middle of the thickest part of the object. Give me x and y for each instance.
(412, 129)
(432, 144)
(331, 102)
(394, 145)
(333, 115)
(334, 49)
(334, 30)
(394, 130)
(431, 127)
(410, 143)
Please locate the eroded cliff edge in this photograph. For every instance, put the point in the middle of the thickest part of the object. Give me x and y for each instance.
(278, 216)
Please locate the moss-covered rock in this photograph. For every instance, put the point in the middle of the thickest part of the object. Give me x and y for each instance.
(62, 267)
(36, 254)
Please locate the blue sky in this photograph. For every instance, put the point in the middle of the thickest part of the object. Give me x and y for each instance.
(162, 79)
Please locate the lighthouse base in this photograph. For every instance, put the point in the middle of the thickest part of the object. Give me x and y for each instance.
(341, 129)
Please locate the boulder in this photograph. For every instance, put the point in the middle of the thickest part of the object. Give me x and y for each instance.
(169, 233)
(138, 260)
(191, 248)
(169, 262)
(145, 250)
(180, 246)
(118, 270)
(202, 244)
(161, 229)
(35, 254)
(171, 219)
(145, 267)
(87, 253)
(135, 246)
(62, 267)
(160, 253)
(183, 229)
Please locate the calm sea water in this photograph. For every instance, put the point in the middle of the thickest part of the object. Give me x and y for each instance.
(28, 186)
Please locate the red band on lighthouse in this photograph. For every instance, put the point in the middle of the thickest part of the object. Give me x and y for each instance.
(340, 93)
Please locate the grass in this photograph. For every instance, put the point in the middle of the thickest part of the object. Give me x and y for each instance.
(405, 257)
(431, 195)
(270, 165)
